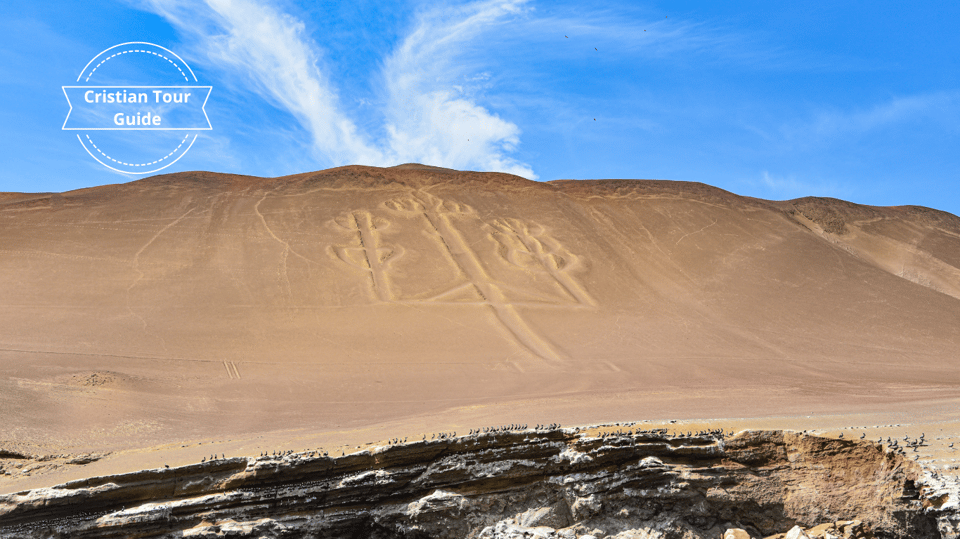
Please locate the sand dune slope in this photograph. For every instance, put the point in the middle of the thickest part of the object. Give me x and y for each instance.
(199, 305)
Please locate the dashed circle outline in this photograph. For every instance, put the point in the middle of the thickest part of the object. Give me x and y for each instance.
(135, 164)
(175, 55)
(97, 159)
(114, 55)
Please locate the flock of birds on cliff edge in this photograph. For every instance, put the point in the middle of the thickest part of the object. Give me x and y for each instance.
(913, 444)
(892, 444)
(501, 429)
(623, 429)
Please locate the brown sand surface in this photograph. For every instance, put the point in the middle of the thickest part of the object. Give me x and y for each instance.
(160, 319)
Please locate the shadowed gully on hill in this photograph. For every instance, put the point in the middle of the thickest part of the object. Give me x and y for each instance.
(201, 305)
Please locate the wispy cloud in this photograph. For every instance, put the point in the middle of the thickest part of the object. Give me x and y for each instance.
(430, 114)
(628, 31)
(271, 50)
(428, 120)
(827, 125)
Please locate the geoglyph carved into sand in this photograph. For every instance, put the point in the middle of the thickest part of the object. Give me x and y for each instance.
(233, 372)
(370, 256)
(524, 246)
(528, 246)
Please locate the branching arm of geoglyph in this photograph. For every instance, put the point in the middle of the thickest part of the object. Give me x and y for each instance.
(528, 246)
(369, 256)
(438, 215)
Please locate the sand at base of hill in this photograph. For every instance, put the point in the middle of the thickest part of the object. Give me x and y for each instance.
(354, 304)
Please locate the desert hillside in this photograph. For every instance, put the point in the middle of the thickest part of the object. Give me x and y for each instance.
(202, 306)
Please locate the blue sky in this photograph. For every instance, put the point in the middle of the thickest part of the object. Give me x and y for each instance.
(854, 100)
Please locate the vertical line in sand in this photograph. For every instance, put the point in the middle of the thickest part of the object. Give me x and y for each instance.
(369, 242)
(468, 262)
(282, 267)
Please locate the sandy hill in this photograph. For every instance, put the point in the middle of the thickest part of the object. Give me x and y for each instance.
(200, 305)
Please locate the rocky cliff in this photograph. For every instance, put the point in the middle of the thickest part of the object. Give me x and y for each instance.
(565, 483)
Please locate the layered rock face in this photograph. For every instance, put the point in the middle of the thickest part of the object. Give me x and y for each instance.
(563, 483)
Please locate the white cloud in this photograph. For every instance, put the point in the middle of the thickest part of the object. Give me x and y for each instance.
(427, 119)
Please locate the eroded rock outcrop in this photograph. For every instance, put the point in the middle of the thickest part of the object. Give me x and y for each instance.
(561, 483)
